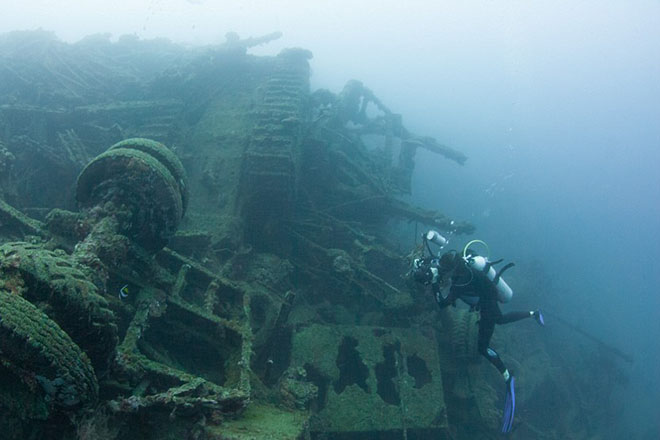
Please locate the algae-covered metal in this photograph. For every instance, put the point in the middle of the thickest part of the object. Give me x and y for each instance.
(196, 245)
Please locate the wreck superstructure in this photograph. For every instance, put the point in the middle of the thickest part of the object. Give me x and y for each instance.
(195, 244)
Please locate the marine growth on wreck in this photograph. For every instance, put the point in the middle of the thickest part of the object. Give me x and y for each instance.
(194, 244)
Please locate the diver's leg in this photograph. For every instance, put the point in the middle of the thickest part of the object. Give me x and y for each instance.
(490, 315)
(494, 312)
(506, 318)
(517, 316)
(486, 327)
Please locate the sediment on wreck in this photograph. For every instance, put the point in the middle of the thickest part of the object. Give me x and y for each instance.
(211, 239)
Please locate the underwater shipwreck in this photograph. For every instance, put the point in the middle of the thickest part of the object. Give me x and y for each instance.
(195, 245)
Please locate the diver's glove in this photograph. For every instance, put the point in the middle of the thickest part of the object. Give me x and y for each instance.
(509, 406)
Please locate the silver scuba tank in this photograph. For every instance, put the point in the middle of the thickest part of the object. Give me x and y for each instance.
(504, 292)
(435, 237)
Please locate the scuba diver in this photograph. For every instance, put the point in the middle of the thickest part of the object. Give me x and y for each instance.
(473, 279)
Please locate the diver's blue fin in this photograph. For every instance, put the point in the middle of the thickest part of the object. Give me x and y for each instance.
(539, 317)
(509, 406)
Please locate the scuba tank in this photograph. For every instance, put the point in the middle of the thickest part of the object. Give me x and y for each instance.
(477, 262)
(435, 237)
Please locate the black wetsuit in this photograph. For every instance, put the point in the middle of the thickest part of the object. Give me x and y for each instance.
(474, 287)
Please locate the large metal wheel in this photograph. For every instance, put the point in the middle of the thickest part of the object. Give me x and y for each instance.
(143, 176)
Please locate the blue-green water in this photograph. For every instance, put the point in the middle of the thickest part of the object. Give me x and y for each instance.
(556, 104)
(563, 170)
(558, 108)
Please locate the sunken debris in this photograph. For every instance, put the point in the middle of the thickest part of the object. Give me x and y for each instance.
(193, 244)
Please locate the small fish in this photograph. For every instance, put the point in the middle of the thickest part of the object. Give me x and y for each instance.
(123, 292)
